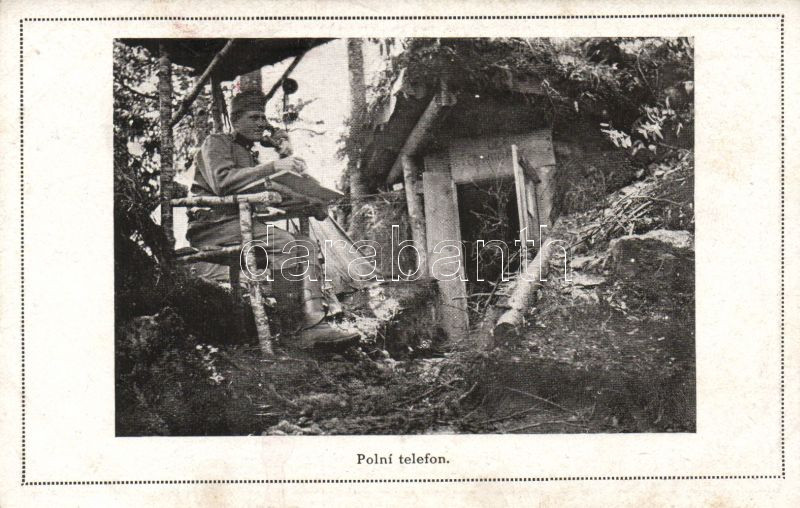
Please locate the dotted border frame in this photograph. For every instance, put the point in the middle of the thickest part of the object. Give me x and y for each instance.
(781, 476)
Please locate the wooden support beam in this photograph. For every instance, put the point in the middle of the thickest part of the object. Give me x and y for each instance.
(522, 202)
(256, 298)
(201, 119)
(444, 231)
(416, 213)
(166, 143)
(405, 164)
(440, 101)
(217, 105)
(259, 198)
(305, 226)
(201, 82)
(220, 256)
(285, 75)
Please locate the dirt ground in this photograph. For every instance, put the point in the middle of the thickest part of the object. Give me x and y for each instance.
(616, 356)
(584, 363)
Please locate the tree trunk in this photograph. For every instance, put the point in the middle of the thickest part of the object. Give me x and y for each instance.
(358, 108)
(166, 146)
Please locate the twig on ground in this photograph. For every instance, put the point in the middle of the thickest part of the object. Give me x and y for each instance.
(274, 393)
(428, 392)
(467, 393)
(420, 397)
(510, 416)
(538, 398)
(225, 356)
(539, 424)
(652, 198)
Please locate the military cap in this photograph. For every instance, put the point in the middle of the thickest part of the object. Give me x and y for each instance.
(247, 101)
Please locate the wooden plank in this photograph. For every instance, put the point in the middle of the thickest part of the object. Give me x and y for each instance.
(476, 159)
(442, 224)
(437, 162)
(546, 194)
(522, 200)
(415, 212)
(533, 210)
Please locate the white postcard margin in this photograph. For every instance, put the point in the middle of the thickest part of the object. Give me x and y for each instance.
(69, 401)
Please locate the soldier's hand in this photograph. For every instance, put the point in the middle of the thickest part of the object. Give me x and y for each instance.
(284, 148)
(320, 213)
(295, 164)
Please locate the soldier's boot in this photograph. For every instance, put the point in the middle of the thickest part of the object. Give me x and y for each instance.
(317, 330)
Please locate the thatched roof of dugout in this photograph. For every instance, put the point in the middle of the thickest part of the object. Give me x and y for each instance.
(499, 89)
(245, 56)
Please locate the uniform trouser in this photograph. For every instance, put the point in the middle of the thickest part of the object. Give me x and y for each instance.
(282, 248)
(294, 262)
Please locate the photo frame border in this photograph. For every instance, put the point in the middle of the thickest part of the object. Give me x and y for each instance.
(24, 471)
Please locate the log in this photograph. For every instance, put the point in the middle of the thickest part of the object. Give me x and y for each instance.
(259, 198)
(220, 256)
(201, 81)
(256, 298)
(440, 102)
(523, 295)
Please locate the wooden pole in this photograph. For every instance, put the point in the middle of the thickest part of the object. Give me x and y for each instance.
(166, 145)
(285, 75)
(201, 81)
(439, 102)
(258, 198)
(256, 298)
(217, 105)
(358, 107)
(416, 213)
(405, 164)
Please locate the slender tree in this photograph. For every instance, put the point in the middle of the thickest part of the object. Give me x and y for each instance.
(358, 107)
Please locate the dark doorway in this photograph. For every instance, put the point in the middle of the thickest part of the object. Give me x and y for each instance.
(488, 211)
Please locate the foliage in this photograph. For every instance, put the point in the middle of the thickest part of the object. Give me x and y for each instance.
(136, 143)
(638, 92)
(169, 383)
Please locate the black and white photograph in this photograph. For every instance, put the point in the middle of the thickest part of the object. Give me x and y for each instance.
(358, 236)
(336, 253)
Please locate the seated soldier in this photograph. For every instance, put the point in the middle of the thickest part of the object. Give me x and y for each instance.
(226, 164)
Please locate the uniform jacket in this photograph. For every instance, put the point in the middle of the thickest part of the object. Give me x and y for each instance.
(225, 164)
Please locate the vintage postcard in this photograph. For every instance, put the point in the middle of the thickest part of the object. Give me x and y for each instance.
(279, 254)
